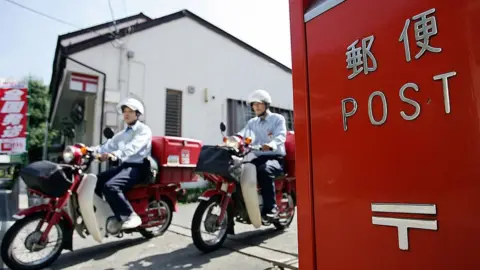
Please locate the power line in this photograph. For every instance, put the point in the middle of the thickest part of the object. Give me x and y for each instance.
(43, 14)
(113, 16)
(68, 23)
(52, 18)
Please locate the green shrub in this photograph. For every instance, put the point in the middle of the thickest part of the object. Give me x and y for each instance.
(192, 194)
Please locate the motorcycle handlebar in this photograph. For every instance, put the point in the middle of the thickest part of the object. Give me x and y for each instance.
(255, 147)
(89, 154)
(250, 148)
(110, 157)
(242, 149)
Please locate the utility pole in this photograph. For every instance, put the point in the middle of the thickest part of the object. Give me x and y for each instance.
(45, 141)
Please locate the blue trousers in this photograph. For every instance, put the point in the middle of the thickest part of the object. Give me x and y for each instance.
(114, 182)
(268, 168)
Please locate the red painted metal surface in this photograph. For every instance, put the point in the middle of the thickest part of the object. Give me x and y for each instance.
(44, 208)
(305, 217)
(290, 157)
(185, 155)
(432, 159)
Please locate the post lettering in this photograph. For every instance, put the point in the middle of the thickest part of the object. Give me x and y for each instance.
(346, 114)
(446, 94)
(409, 101)
(384, 106)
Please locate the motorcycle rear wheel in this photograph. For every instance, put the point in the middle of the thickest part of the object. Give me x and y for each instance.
(6, 247)
(147, 233)
(197, 224)
(283, 224)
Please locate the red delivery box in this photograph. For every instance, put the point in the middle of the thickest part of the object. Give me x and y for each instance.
(177, 158)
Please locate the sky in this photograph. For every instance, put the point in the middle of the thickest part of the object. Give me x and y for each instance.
(28, 40)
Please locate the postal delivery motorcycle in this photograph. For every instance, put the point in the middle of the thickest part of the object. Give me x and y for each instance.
(236, 194)
(72, 205)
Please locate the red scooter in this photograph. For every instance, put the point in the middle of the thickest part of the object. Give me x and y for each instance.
(74, 206)
(236, 194)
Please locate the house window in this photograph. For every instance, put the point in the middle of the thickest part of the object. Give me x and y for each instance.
(239, 112)
(173, 113)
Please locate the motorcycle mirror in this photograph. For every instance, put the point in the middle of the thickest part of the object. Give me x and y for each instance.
(222, 127)
(108, 133)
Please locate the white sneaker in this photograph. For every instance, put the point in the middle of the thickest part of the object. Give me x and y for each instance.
(132, 222)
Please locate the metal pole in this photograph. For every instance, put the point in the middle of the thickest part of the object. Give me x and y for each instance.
(45, 141)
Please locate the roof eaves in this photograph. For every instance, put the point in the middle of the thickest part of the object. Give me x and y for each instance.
(103, 25)
(84, 45)
(87, 44)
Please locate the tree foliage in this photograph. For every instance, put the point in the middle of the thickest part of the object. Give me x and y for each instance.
(38, 108)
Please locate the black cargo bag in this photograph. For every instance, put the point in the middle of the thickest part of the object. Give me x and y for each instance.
(214, 160)
(47, 177)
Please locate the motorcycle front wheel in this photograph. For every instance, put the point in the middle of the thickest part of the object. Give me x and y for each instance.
(31, 243)
(211, 209)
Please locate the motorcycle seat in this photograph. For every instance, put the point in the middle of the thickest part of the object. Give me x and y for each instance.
(152, 165)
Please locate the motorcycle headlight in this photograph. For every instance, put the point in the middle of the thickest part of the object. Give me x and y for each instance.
(68, 154)
(232, 142)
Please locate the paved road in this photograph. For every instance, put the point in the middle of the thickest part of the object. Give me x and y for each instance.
(249, 249)
(285, 241)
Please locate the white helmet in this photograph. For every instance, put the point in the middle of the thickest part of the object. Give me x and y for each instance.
(132, 104)
(259, 96)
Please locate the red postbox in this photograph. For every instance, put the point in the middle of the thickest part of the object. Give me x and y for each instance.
(387, 121)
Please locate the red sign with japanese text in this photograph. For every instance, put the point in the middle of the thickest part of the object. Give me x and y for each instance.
(13, 118)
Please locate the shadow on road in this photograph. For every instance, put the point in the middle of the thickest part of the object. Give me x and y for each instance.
(256, 237)
(191, 258)
(185, 258)
(95, 253)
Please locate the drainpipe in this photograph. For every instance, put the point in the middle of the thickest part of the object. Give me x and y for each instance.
(103, 96)
(120, 88)
(130, 57)
(144, 77)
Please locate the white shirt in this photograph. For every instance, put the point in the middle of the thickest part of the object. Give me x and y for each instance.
(271, 130)
(130, 145)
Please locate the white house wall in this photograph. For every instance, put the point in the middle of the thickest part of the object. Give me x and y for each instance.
(182, 53)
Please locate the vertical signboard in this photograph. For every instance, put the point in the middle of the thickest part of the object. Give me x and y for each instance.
(13, 118)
